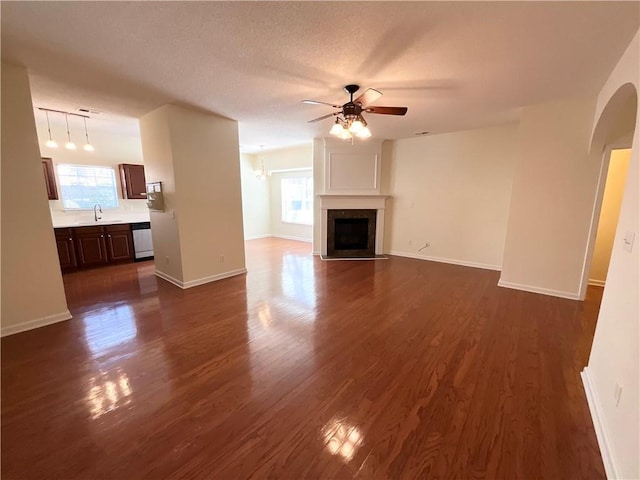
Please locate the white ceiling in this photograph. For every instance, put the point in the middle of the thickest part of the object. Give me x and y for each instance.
(456, 65)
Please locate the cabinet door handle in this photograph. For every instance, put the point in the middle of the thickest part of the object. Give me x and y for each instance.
(70, 239)
(143, 194)
(109, 235)
(101, 236)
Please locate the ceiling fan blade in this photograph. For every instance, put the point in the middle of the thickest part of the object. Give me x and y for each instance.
(368, 96)
(316, 102)
(323, 117)
(387, 110)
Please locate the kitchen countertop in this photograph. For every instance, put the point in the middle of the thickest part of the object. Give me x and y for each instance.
(90, 222)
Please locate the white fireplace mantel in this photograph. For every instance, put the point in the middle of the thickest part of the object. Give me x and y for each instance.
(353, 202)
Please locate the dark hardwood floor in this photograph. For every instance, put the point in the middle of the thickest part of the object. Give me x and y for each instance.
(399, 369)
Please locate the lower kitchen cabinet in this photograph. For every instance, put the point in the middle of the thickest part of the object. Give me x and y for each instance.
(119, 243)
(66, 249)
(90, 246)
(94, 246)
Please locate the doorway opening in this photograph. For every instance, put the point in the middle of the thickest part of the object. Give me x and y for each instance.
(616, 175)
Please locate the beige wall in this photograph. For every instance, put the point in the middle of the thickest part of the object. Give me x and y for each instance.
(552, 201)
(156, 147)
(206, 162)
(615, 354)
(199, 237)
(452, 191)
(32, 289)
(255, 199)
(610, 210)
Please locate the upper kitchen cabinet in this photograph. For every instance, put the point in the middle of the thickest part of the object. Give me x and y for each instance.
(49, 178)
(134, 185)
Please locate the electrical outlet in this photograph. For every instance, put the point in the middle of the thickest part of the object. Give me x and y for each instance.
(410, 242)
(617, 393)
(166, 259)
(221, 258)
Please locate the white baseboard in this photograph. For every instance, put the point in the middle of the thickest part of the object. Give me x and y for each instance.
(256, 237)
(37, 323)
(452, 261)
(541, 290)
(596, 283)
(289, 237)
(315, 253)
(199, 281)
(603, 442)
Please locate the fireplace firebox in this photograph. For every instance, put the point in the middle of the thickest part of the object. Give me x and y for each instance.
(351, 233)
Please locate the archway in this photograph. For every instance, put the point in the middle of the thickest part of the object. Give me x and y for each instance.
(614, 130)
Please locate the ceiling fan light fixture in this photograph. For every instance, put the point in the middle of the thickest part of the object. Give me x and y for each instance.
(356, 126)
(364, 132)
(337, 128)
(345, 135)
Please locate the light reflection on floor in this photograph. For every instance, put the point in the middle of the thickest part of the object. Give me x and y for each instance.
(342, 438)
(109, 327)
(108, 391)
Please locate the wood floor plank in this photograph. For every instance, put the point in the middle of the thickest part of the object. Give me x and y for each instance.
(395, 369)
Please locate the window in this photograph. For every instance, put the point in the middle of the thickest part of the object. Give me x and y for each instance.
(84, 186)
(297, 200)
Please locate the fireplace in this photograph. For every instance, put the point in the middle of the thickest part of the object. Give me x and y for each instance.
(351, 233)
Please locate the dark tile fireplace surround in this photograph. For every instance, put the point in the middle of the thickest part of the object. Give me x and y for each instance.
(351, 233)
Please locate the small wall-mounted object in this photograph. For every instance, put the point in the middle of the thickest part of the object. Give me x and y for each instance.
(155, 200)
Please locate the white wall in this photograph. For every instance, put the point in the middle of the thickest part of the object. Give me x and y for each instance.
(611, 203)
(32, 289)
(255, 199)
(615, 354)
(111, 149)
(451, 190)
(554, 184)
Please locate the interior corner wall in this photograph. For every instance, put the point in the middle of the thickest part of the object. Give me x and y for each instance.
(32, 289)
(609, 213)
(158, 167)
(255, 199)
(318, 189)
(615, 354)
(206, 164)
(554, 185)
(284, 163)
(452, 191)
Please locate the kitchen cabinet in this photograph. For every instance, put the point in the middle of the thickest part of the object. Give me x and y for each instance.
(90, 246)
(94, 246)
(49, 178)
(134, 185)
(66, 249)
(119, 243)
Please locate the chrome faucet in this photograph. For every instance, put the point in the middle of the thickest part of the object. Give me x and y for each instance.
(97, 208)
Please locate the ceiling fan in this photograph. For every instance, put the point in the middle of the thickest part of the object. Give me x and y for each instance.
(349, 119)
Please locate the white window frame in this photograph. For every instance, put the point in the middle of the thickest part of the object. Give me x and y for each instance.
(307, 198)
(61, 181)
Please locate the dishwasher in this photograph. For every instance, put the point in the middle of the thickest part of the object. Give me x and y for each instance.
(142, 243)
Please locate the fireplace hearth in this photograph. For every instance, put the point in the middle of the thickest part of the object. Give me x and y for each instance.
(351, 233)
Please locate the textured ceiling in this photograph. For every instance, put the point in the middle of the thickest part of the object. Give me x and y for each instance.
(456, 65)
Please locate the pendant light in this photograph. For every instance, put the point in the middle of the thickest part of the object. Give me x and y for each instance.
(261, 174)
(69, 145)
(87, 146)
(51, 143)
